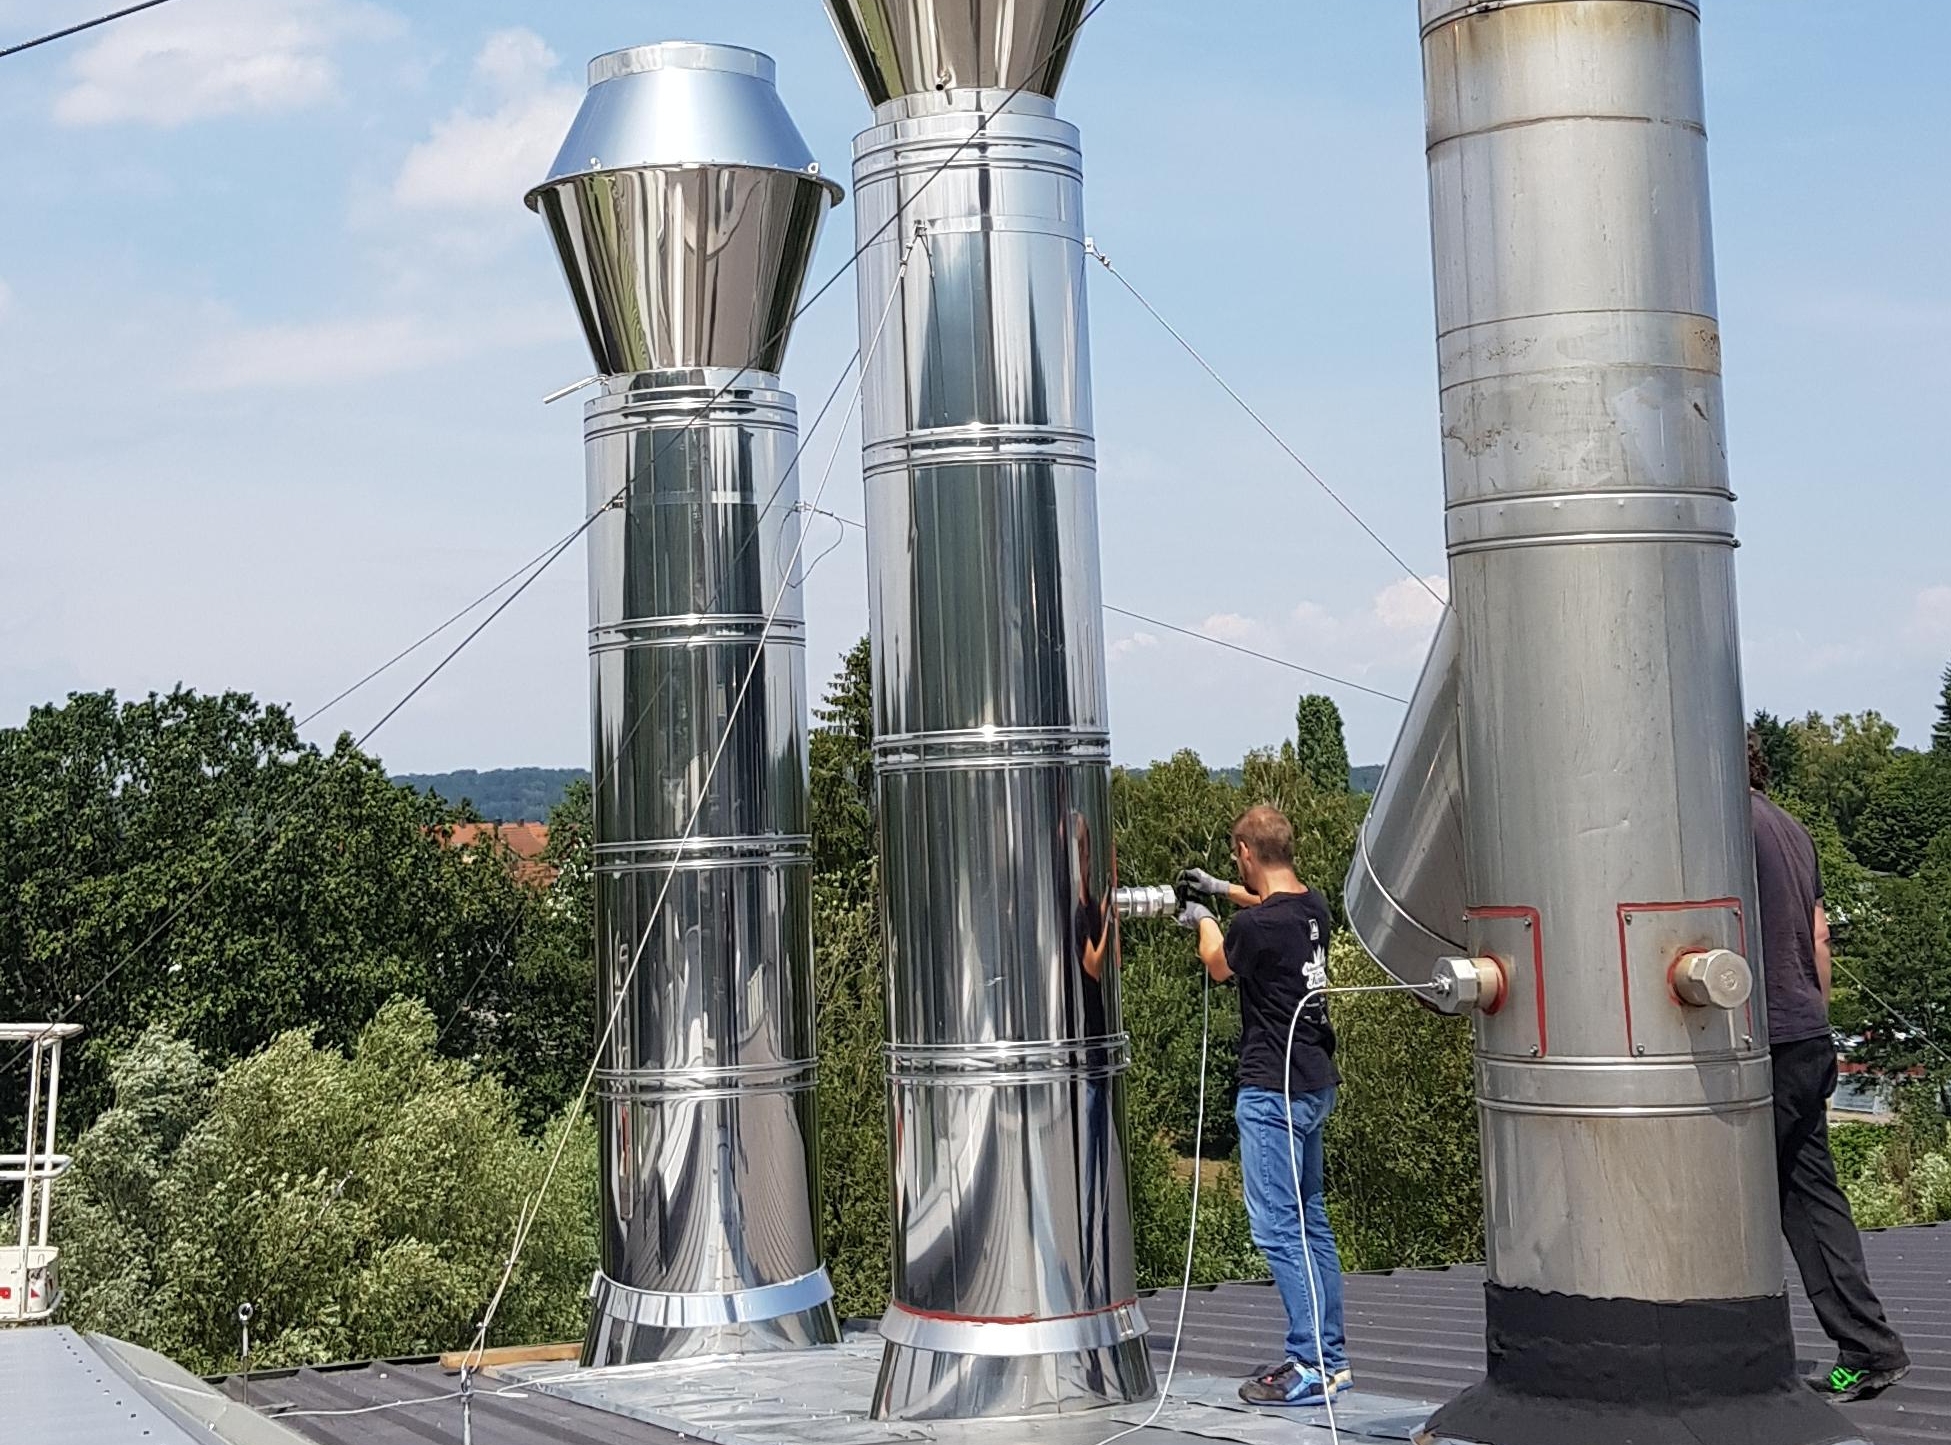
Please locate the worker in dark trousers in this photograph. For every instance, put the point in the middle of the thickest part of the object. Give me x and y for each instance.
(1277, 951)
(1821, 1232)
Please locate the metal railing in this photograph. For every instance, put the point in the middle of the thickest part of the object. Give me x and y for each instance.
(29, 1286)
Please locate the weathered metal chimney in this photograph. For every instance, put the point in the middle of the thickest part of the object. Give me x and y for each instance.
(1013, 1290)
(685, 207)
(1568, 799)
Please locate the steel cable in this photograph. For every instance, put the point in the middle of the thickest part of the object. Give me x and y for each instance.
(1328, 677)
(1262, 423)
(66, 31)
(557, 549)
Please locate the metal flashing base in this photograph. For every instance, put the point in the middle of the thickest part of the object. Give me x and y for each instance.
(825, 1397)
(916, 1383)
(1635, 1372)
(634, 1327)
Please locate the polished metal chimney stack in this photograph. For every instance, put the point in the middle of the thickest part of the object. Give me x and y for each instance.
(684, 207)
(1568, 801)
(1013, 1289)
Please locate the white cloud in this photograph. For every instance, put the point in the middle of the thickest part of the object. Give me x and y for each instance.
(484, 160)
(341, 351)
(1412, 604)
(515, 61)
(6, 299)
(1137, 642)
(1230, 627)
(217, 57)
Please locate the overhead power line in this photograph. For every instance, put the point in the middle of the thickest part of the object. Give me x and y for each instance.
(63, 34)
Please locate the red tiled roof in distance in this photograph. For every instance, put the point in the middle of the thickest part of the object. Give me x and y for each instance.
(526, 841)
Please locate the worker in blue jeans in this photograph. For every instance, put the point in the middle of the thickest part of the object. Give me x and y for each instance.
(1276, 950)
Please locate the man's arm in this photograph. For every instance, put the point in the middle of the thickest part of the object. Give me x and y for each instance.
(1212, 950)
(1823, 970)
(1207, 885)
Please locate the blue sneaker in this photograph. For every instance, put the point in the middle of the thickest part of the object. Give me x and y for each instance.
(1289, 1384)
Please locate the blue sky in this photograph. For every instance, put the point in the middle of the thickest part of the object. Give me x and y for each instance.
(275, 329)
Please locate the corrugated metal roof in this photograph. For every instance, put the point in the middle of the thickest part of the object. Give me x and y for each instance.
(1418, 1334)
(1413, 1334)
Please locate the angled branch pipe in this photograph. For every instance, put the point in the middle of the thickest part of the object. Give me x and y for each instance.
(1568, 800)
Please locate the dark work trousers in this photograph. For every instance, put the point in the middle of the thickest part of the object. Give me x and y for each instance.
(1815, 1214)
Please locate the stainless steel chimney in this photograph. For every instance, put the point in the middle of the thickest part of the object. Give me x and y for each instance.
(1013, 1290)
(1593, 721)
(684, 207)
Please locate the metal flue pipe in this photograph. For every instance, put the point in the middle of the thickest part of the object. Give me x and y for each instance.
(684, 207)
(1584, 759)
(1014, 1289)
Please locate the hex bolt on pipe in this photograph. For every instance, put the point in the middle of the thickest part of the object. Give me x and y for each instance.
(684, 207)
(1014, 1289)
(1568, 799)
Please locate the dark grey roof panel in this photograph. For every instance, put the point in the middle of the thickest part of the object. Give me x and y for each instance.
(1418, 1334)
(1414, 1334)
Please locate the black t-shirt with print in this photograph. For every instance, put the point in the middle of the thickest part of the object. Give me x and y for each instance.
(1278, 950)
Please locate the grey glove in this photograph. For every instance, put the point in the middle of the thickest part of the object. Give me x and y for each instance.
(1198, 880)
(1192, 915)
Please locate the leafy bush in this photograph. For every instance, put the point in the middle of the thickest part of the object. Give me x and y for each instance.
(363, 1203)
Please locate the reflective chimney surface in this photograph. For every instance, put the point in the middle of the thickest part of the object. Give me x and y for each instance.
(921, 47)
(685, 208)
(1014, 1289)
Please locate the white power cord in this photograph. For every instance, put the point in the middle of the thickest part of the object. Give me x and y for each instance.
(1294, 1164)
(1192, 1229)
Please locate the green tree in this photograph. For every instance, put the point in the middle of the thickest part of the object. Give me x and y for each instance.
(1908, 806)
(227, 881)
(1319, 746)
(529, 1015)
(848, 973)
(1941, 730)
(1404, 1183)
(363, 1203)
(1837, 762)
(1779, 748)
(1894, 985)
(842, 767)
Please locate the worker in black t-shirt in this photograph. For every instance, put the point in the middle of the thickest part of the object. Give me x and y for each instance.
(1277, 952)
(1870, 1356)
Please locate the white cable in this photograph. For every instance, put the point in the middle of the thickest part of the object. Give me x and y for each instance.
(1192, 1230)
(533, 1207)
(1294, 1164)
(517, 1390)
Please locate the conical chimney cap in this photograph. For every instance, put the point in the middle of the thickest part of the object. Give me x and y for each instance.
(912, 47)
(684, 207)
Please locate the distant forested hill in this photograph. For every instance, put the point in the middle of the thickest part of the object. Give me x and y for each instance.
(501, 795)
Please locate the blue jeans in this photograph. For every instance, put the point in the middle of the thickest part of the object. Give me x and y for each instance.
(1275, 1215)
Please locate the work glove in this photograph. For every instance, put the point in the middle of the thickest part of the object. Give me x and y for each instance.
(1192, 915)
(1198, 880)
